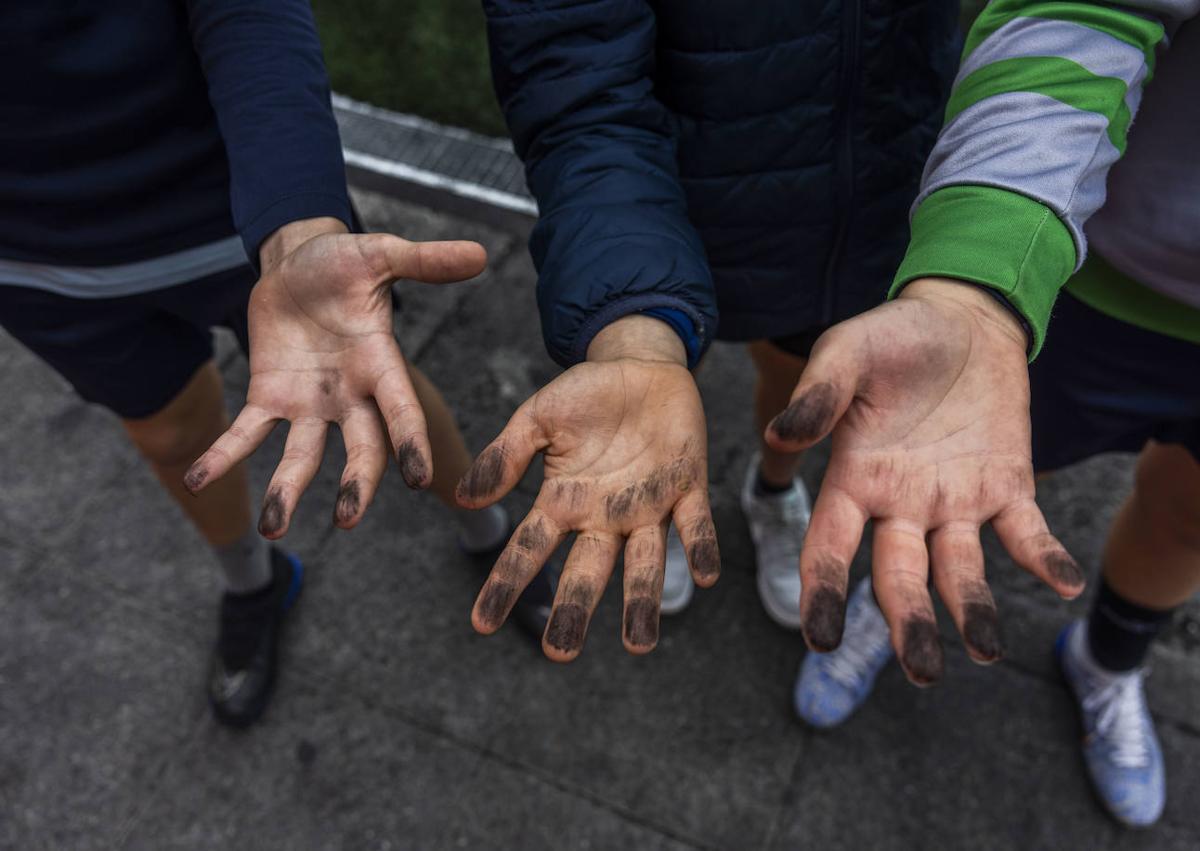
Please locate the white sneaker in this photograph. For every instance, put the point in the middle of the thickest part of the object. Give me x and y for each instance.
(677, 583)
(777, 523)
(1120, 746)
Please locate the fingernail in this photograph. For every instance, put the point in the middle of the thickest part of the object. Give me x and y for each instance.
(413, 469)
(348, 502)
(568, 622)
(825, 620)
(484, 476)
(641, 623)
(921, 652)
(271, 519)
(195, 477)
(807, 418)
(497, 601)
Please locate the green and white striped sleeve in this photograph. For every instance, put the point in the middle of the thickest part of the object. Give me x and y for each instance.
(1038, 114)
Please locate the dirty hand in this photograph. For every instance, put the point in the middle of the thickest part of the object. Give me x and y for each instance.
(625, 451)
(322, 351)
(927, 398)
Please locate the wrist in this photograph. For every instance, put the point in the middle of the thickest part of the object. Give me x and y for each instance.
(291, 236)
(639, 337)
(976, 299)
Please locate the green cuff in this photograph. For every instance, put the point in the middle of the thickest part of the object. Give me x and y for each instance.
(1001, 239)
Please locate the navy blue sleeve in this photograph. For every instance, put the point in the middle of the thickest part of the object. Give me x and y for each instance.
(574, 78)
(267, 84)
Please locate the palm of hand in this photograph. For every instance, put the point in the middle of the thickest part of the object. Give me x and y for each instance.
(625, 450)
(322, 351)
(932, 442)
(321, 330)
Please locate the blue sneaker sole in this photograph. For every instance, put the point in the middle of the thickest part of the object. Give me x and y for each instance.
(297, 581)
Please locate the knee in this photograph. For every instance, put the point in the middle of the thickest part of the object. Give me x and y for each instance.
(173, 441)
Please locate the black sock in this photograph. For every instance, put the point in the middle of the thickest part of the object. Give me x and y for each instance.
(764, 488)
(1120, 632)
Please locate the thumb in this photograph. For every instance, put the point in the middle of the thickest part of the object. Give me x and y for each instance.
(431, 262)
(500, 466)
(824, 392)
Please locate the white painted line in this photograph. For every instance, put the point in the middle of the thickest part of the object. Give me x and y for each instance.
(433, 180)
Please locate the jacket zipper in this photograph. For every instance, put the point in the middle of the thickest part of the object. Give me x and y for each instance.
(844, 164)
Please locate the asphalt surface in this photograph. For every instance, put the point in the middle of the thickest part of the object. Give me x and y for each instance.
(396, 726)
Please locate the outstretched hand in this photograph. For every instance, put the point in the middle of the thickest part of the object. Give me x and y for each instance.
(927, 398)
(322, 351)
(625, 451)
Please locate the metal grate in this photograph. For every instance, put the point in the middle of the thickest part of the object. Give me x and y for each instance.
(453, 170)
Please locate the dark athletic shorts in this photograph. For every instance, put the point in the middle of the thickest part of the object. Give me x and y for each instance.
(799, 344)
(132, 354)
(1103, 385)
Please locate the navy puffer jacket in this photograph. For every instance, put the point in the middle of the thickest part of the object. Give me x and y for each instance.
(747, 159)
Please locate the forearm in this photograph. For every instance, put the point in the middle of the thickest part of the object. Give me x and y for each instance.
(268, 88)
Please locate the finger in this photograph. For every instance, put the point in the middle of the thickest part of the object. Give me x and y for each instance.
(405, 419)
(584, 576)
(645, 559)
(242, 437)
(430, 262)
(833, 536)
(1024, 533)
(500, 466)
(825, 391)
(958, 573)
(900, 577)
(530, 545)
(366, 461)
(301, 460)
(693, 519)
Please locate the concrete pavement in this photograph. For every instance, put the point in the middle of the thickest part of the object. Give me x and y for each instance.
(395, 726)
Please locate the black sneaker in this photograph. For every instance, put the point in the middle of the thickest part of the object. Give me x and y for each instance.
(532, 609)
(242, 671)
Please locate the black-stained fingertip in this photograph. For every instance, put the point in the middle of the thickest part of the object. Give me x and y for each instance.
(641, 623)
(824, 620)
(495, 602)
(413, 468)
(921, 652)
(567, 627)
(1065, 571)
(271, 520)
(981, 632)
(484, 477)
(195, 477)
(349, 501)
(808, 418)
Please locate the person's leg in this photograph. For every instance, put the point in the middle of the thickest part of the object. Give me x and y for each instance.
(170, 440)
(483, 533)
(773, 499)
(777, 373)
(1152, 558)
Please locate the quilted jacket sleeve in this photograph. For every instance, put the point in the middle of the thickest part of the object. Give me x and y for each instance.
(574, 78)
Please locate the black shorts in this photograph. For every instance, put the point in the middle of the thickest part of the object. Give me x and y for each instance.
(799, 344)
(1103, 385)
(131, 354)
